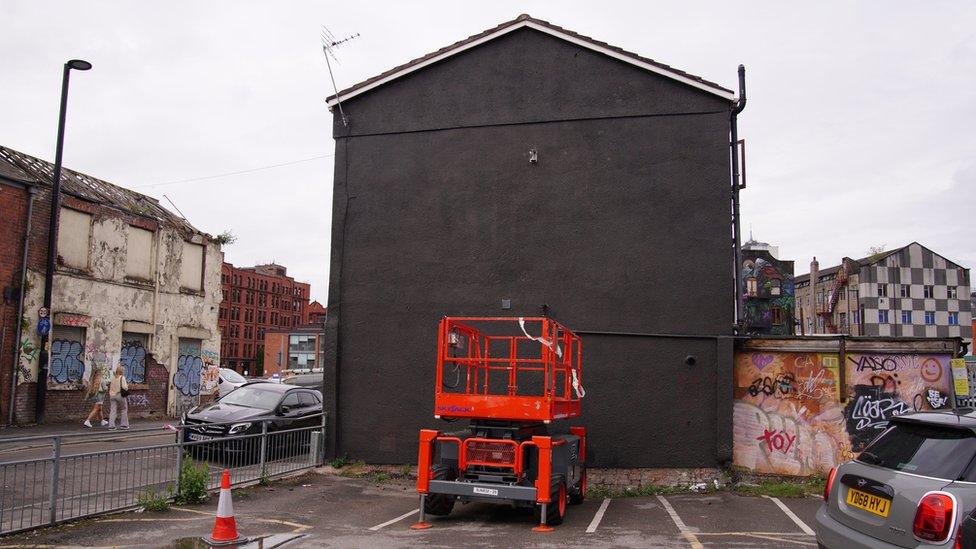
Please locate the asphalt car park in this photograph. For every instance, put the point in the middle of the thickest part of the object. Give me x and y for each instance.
(329, 510)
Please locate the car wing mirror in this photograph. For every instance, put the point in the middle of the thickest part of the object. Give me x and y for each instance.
(284, 409)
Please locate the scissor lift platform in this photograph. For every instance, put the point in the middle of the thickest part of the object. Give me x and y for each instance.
(510, 384)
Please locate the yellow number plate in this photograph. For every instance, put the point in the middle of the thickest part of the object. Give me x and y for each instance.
(872, 504)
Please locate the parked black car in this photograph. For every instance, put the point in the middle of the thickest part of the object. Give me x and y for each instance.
(242, 412)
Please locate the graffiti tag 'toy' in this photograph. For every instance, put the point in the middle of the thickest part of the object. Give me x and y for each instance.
(780, 441)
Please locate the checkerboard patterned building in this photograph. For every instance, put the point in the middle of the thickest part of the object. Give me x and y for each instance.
(908, 292)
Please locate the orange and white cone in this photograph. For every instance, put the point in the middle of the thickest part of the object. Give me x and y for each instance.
(225, 526)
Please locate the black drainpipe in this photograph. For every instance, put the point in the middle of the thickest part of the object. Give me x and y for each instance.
(31, 191)
(739, 105)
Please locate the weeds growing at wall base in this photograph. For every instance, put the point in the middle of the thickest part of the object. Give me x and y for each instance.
(149, 500)
(191, 487)
(782, 488)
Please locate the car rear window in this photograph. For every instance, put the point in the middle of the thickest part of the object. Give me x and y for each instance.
(922, 450)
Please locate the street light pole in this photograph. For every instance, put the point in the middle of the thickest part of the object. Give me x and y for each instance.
(52, 238)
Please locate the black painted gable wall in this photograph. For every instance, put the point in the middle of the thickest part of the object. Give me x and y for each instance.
(621, 226)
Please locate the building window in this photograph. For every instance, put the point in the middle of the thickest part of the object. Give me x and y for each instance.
(139, 254)
(774, 289)
(928, 291)
(855, 317)
(820, 323)
(906, 290)
(951, 292)
(953, 319)
(74, 238)
(301, 352)
(132, 357)
(882, 290)
(67, 354)
(853, 294)
(191, 267)
(906, 317)
(929, 318)
(882, 317)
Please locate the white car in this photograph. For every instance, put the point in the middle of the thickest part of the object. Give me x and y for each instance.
(229, 380)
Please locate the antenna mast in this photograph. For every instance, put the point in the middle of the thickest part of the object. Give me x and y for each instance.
(329, 44)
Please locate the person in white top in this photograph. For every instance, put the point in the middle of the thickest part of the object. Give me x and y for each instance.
(117, 399)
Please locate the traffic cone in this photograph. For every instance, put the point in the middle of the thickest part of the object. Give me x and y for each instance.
(225, 526)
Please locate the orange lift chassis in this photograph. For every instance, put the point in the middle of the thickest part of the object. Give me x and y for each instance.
(510, 378)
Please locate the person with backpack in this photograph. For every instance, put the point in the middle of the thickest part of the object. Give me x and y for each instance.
(118, 390)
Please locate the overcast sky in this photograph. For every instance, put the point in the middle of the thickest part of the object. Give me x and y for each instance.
(859, 122)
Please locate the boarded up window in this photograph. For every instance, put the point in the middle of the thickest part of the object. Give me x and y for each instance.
(132, 357)
(74, 236)
(191, 276)
(138, 254)
(67, 354)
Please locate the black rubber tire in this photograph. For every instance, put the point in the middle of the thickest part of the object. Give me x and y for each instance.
(578, 493)
(556, 510)
(440, 504)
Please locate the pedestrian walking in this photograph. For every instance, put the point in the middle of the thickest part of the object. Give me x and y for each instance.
(97, 387)
(118, 389)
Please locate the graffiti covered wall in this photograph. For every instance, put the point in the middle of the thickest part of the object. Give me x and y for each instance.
(789, 417)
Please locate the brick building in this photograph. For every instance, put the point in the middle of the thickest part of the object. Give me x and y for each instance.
(556, 175)
(316, 313)
(906, 292)
(294, 351)
(257, 299)
(135, 286)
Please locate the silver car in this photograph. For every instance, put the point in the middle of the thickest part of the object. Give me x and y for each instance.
(911, 487)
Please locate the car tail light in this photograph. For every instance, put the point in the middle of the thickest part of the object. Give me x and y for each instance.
(830, 481)
(934, 517)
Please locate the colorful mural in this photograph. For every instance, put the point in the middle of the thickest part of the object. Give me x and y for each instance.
(788, 416)
(768, 294)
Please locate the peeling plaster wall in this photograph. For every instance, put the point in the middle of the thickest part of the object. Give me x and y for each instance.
(101, 299)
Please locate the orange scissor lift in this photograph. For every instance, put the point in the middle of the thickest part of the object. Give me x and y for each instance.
(510, 385)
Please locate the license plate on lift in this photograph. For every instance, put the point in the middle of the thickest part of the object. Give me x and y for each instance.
(873, 504)
(197, 436)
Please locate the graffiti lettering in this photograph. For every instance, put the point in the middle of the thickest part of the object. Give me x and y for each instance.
(66, 363)
(761, 385)
(138, 400)
(777, 440)
(869, 412)
(887, 383)
(187, 376)
(937, 399)
(874, 363)
(28, 352)
(133, 361)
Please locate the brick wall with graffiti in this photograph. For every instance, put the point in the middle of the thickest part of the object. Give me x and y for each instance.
(790, 416)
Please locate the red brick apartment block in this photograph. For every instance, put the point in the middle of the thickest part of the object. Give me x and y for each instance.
(257, 299)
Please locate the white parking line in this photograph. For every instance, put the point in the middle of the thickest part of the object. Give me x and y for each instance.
(598, 516)
(803, 526)
(692, 540)
(392, 521)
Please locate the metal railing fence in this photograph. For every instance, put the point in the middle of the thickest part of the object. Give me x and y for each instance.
(46, 491)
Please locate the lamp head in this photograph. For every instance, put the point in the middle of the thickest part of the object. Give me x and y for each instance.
(79, 65)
